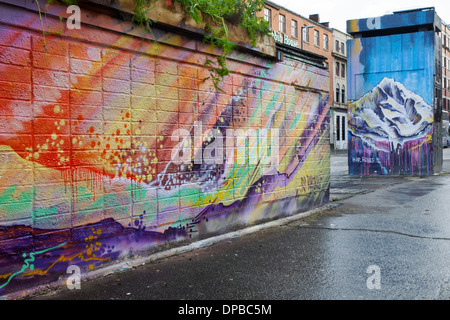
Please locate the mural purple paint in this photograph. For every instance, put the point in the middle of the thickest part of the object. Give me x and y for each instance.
(88, 171)
(394, 96)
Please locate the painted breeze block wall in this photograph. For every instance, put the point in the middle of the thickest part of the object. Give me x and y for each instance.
(112, 145)
(394, 88)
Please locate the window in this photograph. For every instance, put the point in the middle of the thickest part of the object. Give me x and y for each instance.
(343, 96)
(325, 41)
(338, 69)
(343, 48)
(343, 128)
(342, 70)
(316, 38)
(337, 49)
(294, 29)
(338, 93)
(282, 23)
(268, 16)
(338, 128)
(306, 34)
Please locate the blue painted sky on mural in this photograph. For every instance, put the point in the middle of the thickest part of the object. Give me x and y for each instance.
(391, 58)
(338, 12)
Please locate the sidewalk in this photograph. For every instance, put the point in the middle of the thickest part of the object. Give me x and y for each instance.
(399, 224)
(343, 186)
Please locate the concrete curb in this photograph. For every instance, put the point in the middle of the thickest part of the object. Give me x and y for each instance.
(133, 263)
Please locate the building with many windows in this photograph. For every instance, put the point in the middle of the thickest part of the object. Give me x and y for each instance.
(445, 37)
(300, 32)
(339, 108)
(317, 37)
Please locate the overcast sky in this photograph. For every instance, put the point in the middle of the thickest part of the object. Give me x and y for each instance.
(337, 12)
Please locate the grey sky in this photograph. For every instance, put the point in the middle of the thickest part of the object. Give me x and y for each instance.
(338, 12)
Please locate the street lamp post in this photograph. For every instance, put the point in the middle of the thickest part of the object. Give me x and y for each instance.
(305, 27)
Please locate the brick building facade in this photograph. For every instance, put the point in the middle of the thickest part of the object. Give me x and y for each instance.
(339, 108)
(291, 28)
(445, 67)
(94, 121)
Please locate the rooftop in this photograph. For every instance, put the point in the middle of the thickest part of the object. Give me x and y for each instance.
(319, 24)
(407, 21)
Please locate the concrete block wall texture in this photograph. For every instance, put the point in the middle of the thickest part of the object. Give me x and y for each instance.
(90, 119)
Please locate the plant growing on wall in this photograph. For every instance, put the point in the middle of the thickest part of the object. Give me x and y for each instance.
(241, 13)
(66, 2)
(214, 14)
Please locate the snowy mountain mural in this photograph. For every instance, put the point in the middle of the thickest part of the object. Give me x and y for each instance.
(391, 113)
(390, 129)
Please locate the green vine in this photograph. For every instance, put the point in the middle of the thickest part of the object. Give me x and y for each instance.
(140, 13)
(66, 2)
(217, 13)
(42, 25)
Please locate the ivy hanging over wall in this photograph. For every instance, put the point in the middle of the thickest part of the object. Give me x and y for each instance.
(214, 14)
(218, 12)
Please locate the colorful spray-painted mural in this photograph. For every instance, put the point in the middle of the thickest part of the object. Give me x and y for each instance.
(391, 87)
(113, 145)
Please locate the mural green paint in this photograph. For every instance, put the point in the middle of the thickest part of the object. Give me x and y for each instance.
(88, 173)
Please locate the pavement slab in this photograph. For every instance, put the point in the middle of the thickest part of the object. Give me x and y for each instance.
(382, 238)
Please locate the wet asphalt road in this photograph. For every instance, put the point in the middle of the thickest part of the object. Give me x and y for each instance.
(399, 225)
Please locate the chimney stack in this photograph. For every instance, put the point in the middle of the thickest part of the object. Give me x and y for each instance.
(314, 17)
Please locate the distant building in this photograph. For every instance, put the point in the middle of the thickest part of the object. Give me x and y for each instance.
(339, 108)
(304, 33)
(445, 37)
(317, 37)
(445, 67)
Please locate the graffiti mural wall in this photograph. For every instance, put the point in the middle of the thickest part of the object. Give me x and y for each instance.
(113, 145)
(391, 87)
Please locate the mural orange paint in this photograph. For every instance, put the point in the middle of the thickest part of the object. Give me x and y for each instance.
(87, 172)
